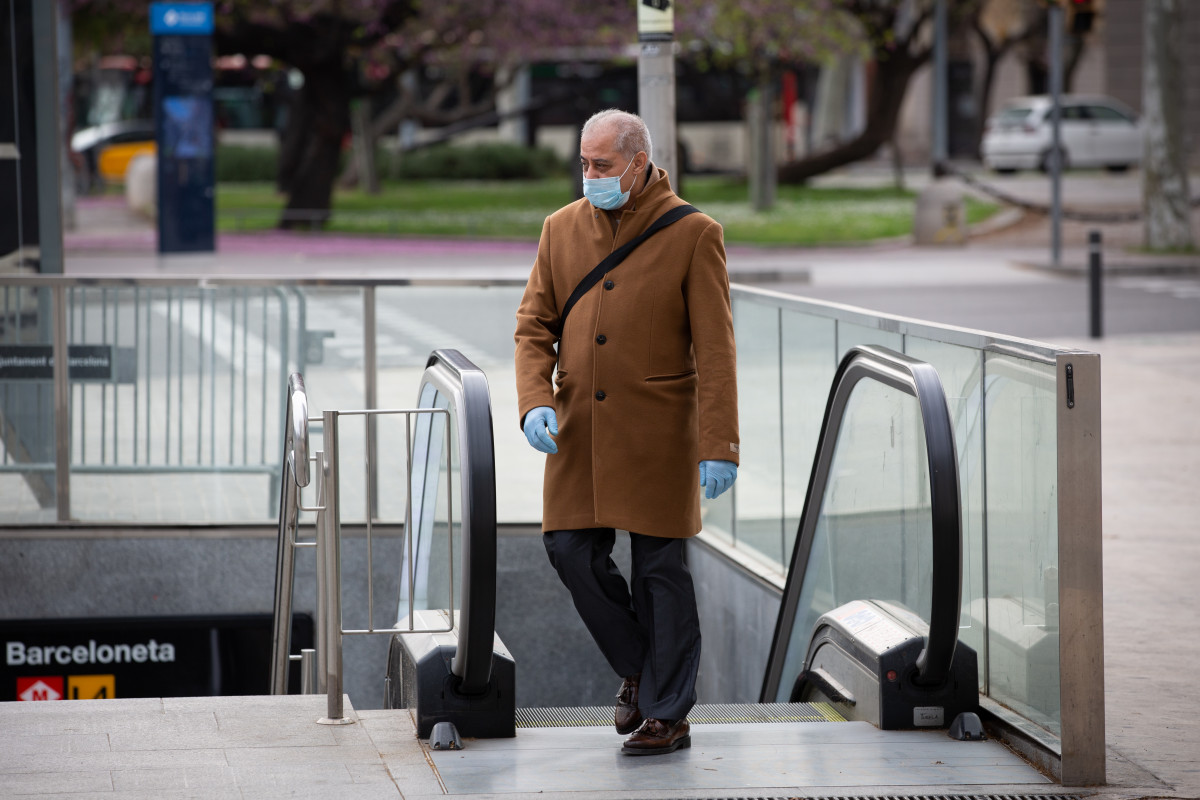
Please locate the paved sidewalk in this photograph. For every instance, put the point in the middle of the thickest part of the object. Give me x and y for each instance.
(271, 747)
(1151, 470)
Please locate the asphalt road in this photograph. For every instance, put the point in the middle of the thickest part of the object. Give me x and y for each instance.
(1001, 283)
(1055, 308)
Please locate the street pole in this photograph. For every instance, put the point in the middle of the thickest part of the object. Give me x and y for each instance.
(47, 150)
(656, 81)
(1056, 160)
(940, 148)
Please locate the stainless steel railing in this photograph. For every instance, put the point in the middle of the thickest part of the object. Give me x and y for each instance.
(454, 394)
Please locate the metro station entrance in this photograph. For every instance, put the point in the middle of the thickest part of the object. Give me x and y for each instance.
(866, 684)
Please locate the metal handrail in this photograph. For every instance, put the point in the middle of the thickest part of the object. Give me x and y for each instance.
(448, 372)
(920, 380)
(329, 546)
(295, 476)
(328, 543)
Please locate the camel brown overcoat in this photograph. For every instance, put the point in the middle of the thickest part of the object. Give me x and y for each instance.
(646, 385)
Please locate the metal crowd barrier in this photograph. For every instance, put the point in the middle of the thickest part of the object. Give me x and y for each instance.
(164, 376)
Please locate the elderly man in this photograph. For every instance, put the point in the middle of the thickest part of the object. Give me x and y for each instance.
(640, 412)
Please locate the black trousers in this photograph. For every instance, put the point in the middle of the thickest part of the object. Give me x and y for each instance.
(650, 625)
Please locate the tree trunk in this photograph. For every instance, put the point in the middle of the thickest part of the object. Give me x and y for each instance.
(1165, 193)
(888, 85)
(312, 159)
(985, 100)
(1073, 45)
(291, 141)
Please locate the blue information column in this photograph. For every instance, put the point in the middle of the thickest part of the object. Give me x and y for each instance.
(183, 113)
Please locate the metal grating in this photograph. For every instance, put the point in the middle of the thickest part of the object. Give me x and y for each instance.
(586, 716)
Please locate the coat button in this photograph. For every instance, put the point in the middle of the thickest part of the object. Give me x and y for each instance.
(600, 395)
(601, 339)
(609, 284)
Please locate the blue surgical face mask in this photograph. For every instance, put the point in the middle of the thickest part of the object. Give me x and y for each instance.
(606, 193)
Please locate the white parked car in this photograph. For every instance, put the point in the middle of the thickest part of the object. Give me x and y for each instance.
(1095, 131)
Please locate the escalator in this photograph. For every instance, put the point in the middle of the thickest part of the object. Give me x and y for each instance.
(870, 614)
(868, 626)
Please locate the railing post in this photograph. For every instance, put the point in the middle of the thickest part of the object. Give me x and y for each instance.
(62, 406)
(322, 590)
(330, 567)
(308, 678)
(371, 396)
(1080, 570)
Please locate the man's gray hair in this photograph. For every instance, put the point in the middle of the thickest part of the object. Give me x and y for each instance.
(632, 134)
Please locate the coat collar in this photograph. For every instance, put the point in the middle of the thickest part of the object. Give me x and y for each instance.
(652, 196)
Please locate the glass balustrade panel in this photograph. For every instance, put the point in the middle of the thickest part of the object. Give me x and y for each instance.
(759, 507)
(435, 547)
(850, 334)
(478, 321)
(808, 366)
(1022, 537)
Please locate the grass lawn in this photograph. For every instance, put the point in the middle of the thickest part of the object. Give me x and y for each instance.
(515, 209)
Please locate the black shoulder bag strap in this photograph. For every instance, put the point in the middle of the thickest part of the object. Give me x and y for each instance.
(617, 256)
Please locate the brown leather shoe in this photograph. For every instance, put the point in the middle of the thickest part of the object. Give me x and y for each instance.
(657, 736)
(627, 717)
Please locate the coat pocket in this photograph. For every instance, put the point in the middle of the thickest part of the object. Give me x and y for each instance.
(672, 376)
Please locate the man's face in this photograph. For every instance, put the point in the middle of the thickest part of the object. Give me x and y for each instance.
(599, 158)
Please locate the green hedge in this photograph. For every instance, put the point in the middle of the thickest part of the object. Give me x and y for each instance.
(485, 161)
(241, 164)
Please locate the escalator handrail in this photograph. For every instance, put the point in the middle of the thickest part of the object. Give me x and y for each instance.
(472, 662)
(920, 380)
(295, 475)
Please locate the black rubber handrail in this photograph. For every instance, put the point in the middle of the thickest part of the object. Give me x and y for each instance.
(472, 662)
(920, 380)
(295, 475)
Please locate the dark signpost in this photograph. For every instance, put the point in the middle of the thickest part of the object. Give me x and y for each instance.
(183, 112)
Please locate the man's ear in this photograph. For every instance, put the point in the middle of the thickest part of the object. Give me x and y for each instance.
(640, 161)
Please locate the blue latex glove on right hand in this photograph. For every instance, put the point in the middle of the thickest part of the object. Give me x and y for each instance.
(540, 424)
(716, 477)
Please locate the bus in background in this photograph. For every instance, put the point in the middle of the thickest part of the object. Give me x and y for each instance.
(114, 110)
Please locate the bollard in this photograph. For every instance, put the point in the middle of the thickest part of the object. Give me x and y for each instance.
(1095, 284)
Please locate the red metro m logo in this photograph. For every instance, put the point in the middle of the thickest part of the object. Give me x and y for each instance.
(44, 688)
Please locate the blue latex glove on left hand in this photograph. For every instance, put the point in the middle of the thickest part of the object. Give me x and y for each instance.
(540, 424)
(716, 477)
